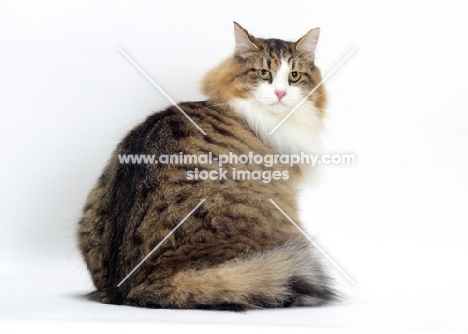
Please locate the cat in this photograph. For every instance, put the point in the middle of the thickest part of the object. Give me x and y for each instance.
(236, 251)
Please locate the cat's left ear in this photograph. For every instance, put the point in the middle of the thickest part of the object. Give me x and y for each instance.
(308, 43)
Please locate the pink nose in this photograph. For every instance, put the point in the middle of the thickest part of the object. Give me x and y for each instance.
(280, 94)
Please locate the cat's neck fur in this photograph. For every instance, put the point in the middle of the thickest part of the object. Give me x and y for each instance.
(300, 133)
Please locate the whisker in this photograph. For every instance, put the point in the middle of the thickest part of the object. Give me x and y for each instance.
(259, 116)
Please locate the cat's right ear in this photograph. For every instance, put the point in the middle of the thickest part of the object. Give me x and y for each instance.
(243, 42)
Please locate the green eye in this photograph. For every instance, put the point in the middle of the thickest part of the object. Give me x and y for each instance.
(294, 76)
(264, 74)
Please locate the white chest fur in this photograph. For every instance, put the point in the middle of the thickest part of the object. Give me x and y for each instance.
(299, 133)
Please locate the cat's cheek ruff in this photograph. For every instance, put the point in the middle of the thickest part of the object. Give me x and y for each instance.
(299, 133)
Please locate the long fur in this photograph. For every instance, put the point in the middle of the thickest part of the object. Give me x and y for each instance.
(286, 275)
(236, 251)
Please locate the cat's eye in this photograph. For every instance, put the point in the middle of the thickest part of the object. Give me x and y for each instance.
(294, 76)
(264, 74)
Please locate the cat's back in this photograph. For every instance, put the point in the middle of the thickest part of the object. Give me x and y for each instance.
(183, 126)
(137, 203)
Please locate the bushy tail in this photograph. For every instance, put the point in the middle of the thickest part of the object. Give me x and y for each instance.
(283, 276)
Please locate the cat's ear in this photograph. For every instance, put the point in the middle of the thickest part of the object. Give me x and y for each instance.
(243, 42)
(308, 43)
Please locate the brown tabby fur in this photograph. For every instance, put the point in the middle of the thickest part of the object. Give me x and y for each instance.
(236, 251)
(236, 75)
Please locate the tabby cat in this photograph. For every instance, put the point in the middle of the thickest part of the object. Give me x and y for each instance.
(236, 251)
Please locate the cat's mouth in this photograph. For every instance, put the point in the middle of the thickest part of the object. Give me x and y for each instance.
(279, 107)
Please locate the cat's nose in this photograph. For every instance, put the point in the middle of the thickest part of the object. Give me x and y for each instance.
(280, 94)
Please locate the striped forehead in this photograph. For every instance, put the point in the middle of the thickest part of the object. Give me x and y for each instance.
(277, 51)
(278, 48)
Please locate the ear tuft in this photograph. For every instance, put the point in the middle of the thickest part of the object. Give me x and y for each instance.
(308, 43)
(243, 42)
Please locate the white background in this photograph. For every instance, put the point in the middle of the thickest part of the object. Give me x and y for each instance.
(396, 221)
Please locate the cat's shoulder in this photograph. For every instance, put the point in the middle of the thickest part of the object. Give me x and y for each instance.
(174, 124)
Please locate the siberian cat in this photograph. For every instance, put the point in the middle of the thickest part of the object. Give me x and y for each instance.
(236, 250)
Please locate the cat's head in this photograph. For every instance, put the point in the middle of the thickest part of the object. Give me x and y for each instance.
(275, 74)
